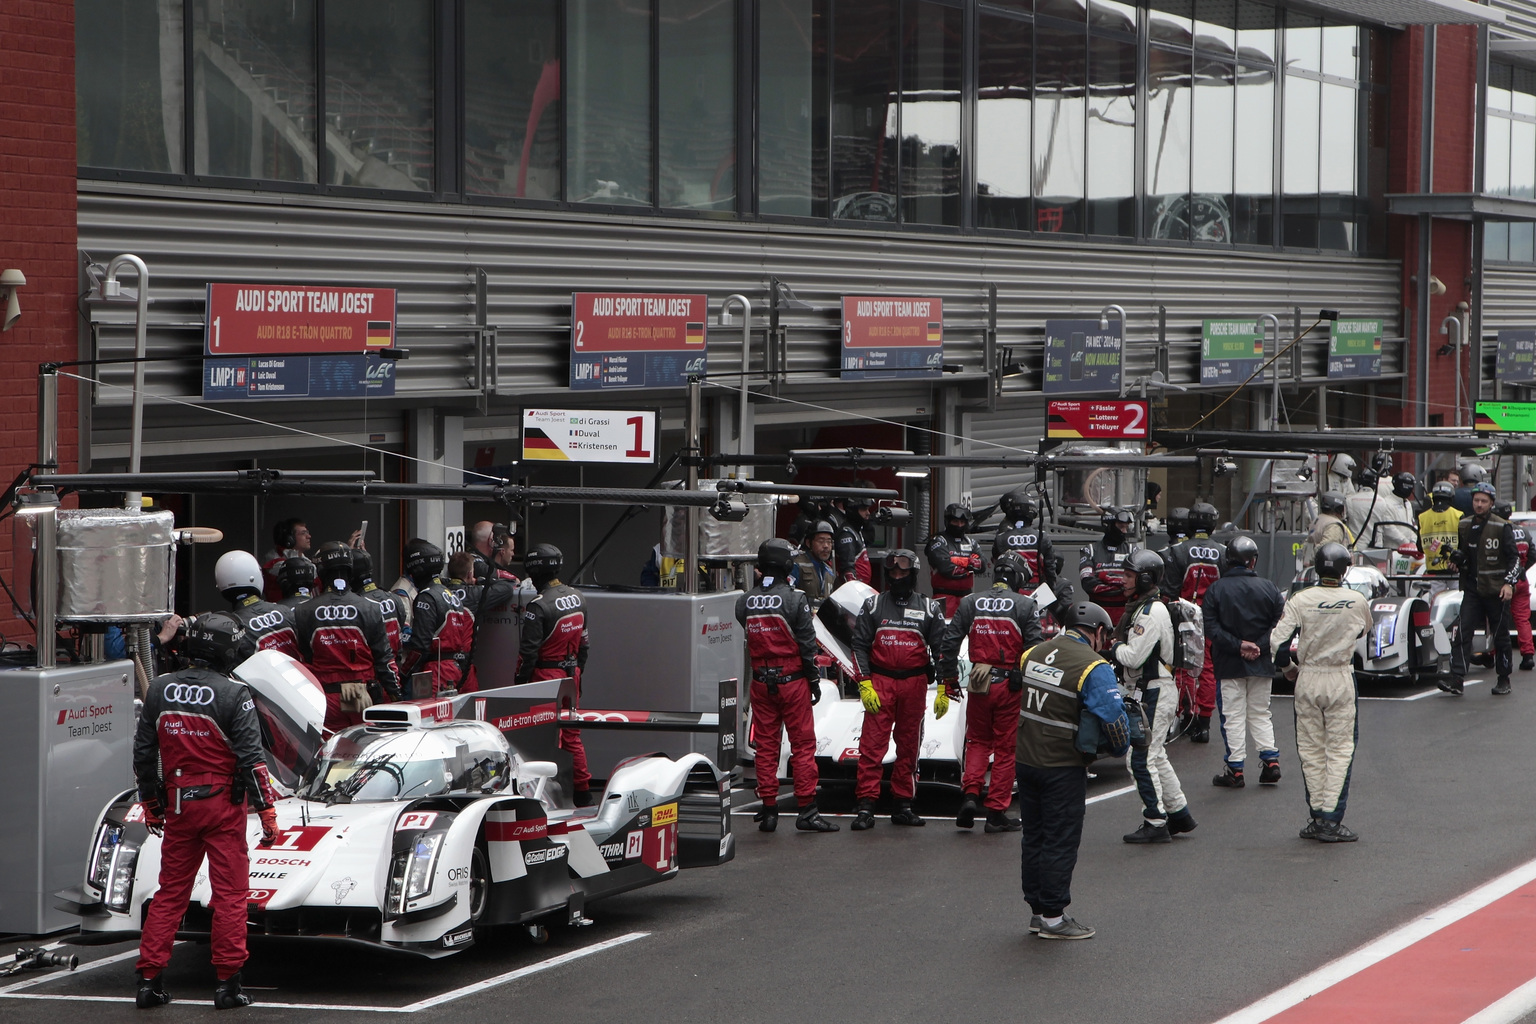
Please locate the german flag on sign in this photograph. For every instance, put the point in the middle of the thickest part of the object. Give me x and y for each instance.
(1482, 421)
(935, 332)
(381, 333)
(1258, 345)
(539, 445)
(693, 334)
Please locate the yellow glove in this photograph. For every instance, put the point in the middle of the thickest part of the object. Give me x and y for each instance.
(868, 695)
(940, 702)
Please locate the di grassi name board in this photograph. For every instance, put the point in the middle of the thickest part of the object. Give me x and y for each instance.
(637, 339)
(892, 337)
(590, 435)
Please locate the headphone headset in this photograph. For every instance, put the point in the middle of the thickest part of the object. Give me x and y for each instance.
(283, 533)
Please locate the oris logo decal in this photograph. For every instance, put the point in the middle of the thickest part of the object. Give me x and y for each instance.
(1205, 554)
(180, 693)
(994, 604)
(764, 602)
(568, 603)
(335, 613)
(264, 622)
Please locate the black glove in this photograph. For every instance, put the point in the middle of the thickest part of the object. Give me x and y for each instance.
(1459, 558)
(814, 683)
(1283, 655)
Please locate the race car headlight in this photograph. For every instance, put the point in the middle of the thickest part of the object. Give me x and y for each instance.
(411, 874)
(108, 838)
(113, 865)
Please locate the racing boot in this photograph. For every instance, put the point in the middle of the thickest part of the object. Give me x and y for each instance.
(1200, 729)
(1181, 821)
(1232, 778)
(1501, 687)
(810, 820)
(229, 995)
(1334, 832)
(151, 993)
(1527, 662)
(1270, 774)
(905, 815)
(1148, 833)
(767, 819)
(1452, 686)
(865, 816)
(998, 821)
(967, 816)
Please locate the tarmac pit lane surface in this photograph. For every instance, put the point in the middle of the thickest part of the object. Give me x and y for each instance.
(905, 924)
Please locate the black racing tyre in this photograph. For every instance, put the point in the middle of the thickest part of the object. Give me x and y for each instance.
(479, 883)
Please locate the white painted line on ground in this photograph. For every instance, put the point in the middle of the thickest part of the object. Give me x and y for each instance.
(1512, 1008)
(1111, 794)
(523, 972)
(1379, 949)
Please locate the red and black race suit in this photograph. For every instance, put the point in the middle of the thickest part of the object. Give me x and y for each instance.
(1193, 565)
(782, 644)
(343, 640)
(268, 627)
(852, 553)
(554, 645)
(442, 632)
(394, 615)
(954, 563)
(895, 637)
(1103, 575)
(1031, 542)
(197, 760)
(1000, 624)
(780, 638)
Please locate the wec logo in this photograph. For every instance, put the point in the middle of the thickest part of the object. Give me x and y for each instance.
(764, 602)
(994, 604)
(568, 603)
(261, 623)
(335, 613)
(180, 693)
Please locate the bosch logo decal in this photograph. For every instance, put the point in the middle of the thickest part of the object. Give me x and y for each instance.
(1205, 554)
(994, 604)
(181, 693)
(568, 603)
(261, 623)
(335, 613)
(764, 602)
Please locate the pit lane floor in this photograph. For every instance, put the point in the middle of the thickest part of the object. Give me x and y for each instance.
(928, 925)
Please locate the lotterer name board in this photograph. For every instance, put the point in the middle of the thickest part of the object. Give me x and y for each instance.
(590, 435)
(1108, 421)
(637, 339)
(892, 337)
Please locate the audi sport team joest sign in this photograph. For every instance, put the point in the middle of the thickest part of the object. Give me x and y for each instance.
(636, 339)
(297, 341)
(888, 337)
(590, 435)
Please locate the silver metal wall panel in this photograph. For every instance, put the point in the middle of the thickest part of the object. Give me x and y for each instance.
(1015, 429)
(1509, 301)
(1519, 19)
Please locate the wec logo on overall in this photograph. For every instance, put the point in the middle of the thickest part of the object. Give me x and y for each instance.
(994, 604)
(335, 613)
(764, 602)
(180, 693)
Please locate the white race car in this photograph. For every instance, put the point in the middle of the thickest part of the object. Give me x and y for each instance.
(428, 821)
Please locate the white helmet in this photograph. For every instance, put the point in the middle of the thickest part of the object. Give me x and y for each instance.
(237, 570)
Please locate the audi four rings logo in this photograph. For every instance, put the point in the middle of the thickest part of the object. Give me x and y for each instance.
(994, 604)
(764, 602)
(181, 693)
(267, 621)
(569, 602)
(1209, 554)
(335, 613)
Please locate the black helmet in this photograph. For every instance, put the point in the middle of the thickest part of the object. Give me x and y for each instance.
(1019, 506)
(1503, 510)
(1472, 473)
(1330, 503)
(1178, 520)
(1148, 567)
(1404, 484)
(216, 639)
(1242, 550)
(857, 509)
(821, 526)
(1118, 518)
(901, 558)
(775, 557)
(423, 561)
(1442, 495)
(295, 573)
(362, 568)
(334, 561)
(1331, 561)
(1203, 516)
(543, 562)
(1086, 615)
(955, 510)
(1012, 570)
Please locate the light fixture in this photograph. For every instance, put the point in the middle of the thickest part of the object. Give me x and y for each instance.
(31, 501)
(10, 281)
(913, 474)
(729, 508)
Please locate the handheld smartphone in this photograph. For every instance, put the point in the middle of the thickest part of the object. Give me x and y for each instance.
(362, 534)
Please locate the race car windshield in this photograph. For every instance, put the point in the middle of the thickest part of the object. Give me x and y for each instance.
(363, 767)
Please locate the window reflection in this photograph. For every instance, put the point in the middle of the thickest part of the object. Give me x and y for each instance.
(1303, 42)
(129, 70)
(696, 63)
(1256, 31)
(1496, 241)
(608, 128)
(379, 94)
(1522, 159)
(863, 113)
(1059, 108)
(1216, 25)
(1300, 161)
(1005, 76)
(1253, 148)
(1171, 21)
(792, 122)
(1339, 51)
(512, 103)
(1111, 137)
(1168, 144)
(1211, 108)
(1522, 242)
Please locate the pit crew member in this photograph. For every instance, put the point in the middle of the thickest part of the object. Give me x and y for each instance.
(389, 604)
(1240, 612)
(851, 545)
(1520, 604)
(343, 639)
(954, 559)
(1327, 528)
(1020, 533)
(1100, 564)
(1193, 565)
(268, 626)
(815, 570)
(295, 581)
(1439, 535)
(442, 629)
(554, 645)
(1489, 561)
(289, 537)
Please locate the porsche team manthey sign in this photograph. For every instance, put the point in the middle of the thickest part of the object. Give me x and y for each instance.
(892, 337)
(636, 339)
(297, 341)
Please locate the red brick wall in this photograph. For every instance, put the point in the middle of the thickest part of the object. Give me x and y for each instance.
(37, 225)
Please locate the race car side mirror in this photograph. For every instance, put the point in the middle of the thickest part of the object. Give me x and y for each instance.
(538, 769)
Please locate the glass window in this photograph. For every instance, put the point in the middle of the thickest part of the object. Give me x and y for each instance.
(930, 114)
(253, 89)
(1254, 148)
(1338, 144)
(791, 116)
(608, 122)
(1303, 42)
(1496, 241)
(1522, 159)
(1211, 103)
(1522, 242)
(1110, 16)
(1111, 137)
(1171, 21)
(512, 98)
(1168, 140)
(1523, 84)
(696, 107)
(1500, 79)
(1300, 161)
(1340, 51)
(1496, 160)
(863, 112)
(1060, 78)
(1256, 31)
(1216, 25)
(379, 94)
(1071, 10)
(129, 69)
(1005, 84)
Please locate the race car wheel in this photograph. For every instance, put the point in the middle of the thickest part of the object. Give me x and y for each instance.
(537, 934)
(479, 884)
